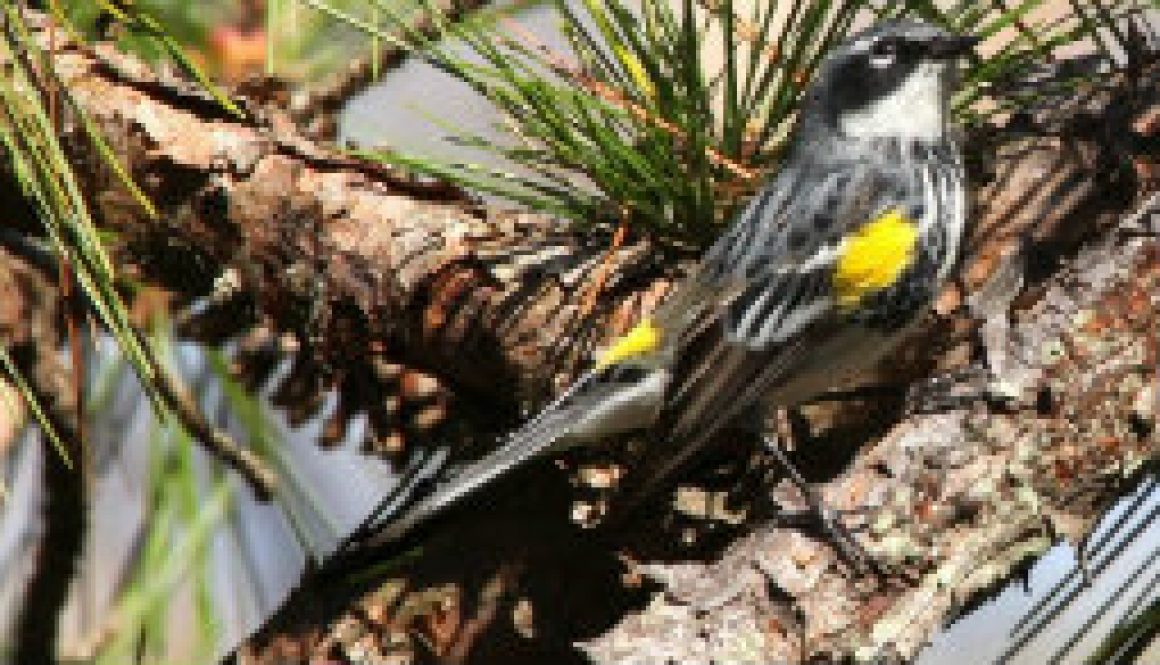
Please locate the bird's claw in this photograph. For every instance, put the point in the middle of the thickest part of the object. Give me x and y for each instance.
(962, 389)
(831, 522)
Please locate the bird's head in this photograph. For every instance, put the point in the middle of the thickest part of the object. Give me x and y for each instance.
(893, 80)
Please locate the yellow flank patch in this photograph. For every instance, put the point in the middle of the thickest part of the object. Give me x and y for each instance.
(874, 257)
(641, 340)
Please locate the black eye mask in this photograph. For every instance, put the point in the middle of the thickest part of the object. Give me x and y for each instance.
(856, 83)
(899, 47)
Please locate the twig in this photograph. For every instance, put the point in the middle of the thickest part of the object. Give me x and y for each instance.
(601, 276)
(64, 519)
(60, 547)
(252, 469)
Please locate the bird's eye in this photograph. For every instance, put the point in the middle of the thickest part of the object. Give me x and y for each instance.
(884, 52)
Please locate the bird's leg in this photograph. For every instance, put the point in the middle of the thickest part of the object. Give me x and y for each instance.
(830, 520)
(957, 389)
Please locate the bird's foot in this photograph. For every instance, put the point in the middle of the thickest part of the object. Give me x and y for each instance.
(832, 522)
(964, 388)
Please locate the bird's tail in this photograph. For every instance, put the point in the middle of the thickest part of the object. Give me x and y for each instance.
(421, 498)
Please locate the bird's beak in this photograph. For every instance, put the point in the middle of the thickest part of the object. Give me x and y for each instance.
(952, 46)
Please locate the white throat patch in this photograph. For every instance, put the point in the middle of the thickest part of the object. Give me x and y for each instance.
(914, 110)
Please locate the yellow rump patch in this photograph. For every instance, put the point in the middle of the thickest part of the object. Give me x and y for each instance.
(874, 257)
(641, 340)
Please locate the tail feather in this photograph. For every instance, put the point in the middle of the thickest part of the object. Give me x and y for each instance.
(537, 437)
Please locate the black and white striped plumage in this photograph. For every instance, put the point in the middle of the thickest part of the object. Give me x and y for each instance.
(818, 277)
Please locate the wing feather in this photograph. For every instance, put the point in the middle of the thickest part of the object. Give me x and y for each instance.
(772, 301)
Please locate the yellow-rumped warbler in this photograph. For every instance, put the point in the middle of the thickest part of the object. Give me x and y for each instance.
(819, 276)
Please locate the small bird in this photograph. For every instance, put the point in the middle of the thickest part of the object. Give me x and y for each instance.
(820, 276)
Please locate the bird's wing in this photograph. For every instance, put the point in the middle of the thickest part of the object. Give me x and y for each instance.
(781, 283)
